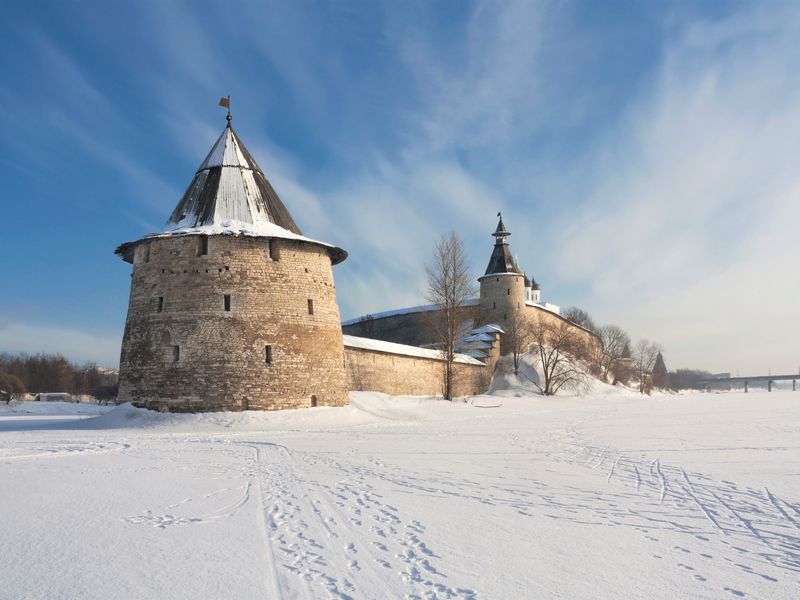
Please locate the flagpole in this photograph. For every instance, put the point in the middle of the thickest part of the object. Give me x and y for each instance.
(225, 102)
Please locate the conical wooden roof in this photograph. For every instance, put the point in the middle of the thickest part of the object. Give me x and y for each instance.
(230, 186)
(501, 261)
(230, 195)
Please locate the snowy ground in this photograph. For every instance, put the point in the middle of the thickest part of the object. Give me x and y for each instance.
(610, 495)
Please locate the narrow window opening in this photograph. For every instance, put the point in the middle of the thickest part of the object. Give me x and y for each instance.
(313, 400)
(273, 250)
(498, 279)
(147, 253)
(310, 306)
(505, 316)
(176, 353)
(268, 354)
(306, 269)
(494, 304)
(160, 303)
(227, 302)
(508, 292)
(202, 248)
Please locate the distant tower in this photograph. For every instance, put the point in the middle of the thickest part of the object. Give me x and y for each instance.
(502, 287)
(659, 375)
(231, 307)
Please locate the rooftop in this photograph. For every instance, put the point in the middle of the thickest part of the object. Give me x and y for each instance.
(501, 260)
(230, 195)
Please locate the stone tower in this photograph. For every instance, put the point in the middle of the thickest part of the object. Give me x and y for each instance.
(502, 287)
(659, 374)
(231, 307)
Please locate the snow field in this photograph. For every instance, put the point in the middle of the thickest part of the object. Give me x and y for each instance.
(509, 495)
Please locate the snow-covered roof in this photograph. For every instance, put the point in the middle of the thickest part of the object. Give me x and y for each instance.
(230, 195)
(352, 341)
(488, 328)
(230, 186)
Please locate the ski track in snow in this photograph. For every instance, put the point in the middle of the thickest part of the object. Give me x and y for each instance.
(327, 528)
(752, 530)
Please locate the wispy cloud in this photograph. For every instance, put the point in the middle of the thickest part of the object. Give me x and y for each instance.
(688, 234)
(654, 186)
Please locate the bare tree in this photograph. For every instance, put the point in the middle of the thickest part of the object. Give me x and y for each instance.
(623, 371)
(557, 346)
(644, 358)
(579, 317)
(616, 346)
(11, 387)
(519, 335)
(449, 288)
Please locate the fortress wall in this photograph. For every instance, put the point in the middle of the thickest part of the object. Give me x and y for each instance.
(590, 340)
(403, 375)
(410, 328)
(221, 361)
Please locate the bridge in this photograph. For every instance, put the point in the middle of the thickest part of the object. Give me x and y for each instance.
(747, 380)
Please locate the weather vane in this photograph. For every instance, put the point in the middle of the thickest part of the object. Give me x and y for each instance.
(225, 102)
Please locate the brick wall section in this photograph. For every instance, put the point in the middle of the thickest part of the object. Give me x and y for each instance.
(402, 375)
(221, 364)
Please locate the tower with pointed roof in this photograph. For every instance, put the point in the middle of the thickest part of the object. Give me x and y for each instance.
(231, 306)
(659, 374)
(503, 286)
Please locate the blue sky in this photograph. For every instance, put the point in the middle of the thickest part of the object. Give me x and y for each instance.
(644, 154)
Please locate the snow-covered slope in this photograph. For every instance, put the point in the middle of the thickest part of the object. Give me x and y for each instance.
(509, 495)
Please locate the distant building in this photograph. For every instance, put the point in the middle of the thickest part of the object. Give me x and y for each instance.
(505, 291)
(659, 374)
(54, 397)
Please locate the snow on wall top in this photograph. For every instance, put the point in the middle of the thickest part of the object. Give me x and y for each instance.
(351, 341)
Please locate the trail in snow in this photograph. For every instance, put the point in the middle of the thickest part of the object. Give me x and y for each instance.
(757, 520)
(411, 498)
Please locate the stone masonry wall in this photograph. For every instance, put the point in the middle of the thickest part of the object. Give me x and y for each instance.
(177, 300)
(410, 328)
(414, 329)
(401, 375)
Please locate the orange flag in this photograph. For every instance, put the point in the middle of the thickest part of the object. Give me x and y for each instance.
(225, 102)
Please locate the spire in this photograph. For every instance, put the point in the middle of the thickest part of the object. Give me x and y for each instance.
(501, 233)
(229, 186)
(502, 261)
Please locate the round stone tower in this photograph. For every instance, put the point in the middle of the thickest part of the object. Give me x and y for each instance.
(231, 307)
(502, 287)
